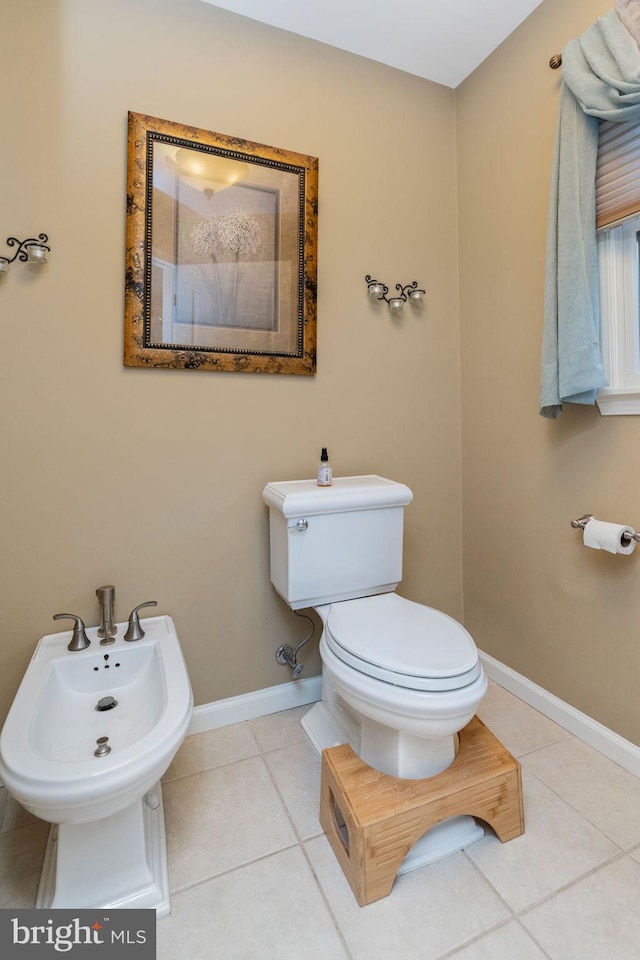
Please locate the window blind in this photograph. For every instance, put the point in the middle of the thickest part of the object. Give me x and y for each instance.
(617, 172)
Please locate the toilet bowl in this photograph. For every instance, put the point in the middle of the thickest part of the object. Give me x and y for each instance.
(86, 741)
(399, 679)
(412, 675)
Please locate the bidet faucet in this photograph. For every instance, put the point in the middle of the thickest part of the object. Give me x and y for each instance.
(134, 630)
(106, 597)
(79, 639)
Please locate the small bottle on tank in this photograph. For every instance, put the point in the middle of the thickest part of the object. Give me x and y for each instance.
(325, 473)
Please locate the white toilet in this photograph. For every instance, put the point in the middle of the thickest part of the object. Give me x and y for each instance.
(400, 679)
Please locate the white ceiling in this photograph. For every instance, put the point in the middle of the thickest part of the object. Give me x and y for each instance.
(441, 40)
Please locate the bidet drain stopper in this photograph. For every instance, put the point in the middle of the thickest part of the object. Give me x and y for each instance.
(106, 703)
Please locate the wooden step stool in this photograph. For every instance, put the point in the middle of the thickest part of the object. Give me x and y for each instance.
(383, 816)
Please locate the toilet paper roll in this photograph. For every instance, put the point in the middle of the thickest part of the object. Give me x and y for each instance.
(608, 536)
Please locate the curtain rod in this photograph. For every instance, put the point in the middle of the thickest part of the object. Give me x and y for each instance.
(556, 61)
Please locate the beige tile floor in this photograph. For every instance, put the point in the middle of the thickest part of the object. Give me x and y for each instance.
(253, 878)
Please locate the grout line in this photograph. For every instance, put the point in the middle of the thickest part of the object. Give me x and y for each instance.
(550, 743)
(216, 766)
(225, 873)
(504, 901)
(244, 863)
(582, 815)
(327, 903)
(285, 746)
(282, 801)
(219, 766)
(468, 943)
(517, 913)
(545, 746)
(535, 939)
(301, 844)
(30, 825)
(260, 750)
(571, 883)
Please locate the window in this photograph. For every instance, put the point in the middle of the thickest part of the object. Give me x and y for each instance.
(618, 223)
(619, 255)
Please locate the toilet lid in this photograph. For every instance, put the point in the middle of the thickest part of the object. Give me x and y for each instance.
(402, 642)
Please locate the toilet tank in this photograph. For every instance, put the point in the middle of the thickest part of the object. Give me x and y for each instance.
(338, 542)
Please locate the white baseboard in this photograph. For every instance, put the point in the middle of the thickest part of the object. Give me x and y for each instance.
(248, 706)
(613, 746)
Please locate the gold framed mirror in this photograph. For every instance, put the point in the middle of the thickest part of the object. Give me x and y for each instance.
(221, 253)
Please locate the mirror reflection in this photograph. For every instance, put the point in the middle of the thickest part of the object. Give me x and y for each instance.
(224, 251)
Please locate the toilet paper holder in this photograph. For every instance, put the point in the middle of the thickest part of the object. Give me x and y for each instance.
(581, 523)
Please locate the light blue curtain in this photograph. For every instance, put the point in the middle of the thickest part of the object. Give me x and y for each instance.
(600, 79)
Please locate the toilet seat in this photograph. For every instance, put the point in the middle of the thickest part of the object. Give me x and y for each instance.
(403, 643)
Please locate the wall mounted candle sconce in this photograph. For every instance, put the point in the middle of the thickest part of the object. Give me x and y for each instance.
(31, 250)
(379, 291)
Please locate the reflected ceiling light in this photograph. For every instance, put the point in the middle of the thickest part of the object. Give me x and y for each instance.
(217, 172)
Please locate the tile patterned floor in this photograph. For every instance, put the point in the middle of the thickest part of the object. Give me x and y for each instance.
(253, 878)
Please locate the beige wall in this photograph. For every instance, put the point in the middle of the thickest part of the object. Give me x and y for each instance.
(535, 598)
(151, 480)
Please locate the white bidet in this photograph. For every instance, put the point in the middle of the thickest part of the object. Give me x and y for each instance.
(86, 741)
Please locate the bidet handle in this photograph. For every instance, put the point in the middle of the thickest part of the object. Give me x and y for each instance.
(79, 639)
(134, 630)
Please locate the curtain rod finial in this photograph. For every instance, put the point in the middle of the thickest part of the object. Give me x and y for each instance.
(556, 61)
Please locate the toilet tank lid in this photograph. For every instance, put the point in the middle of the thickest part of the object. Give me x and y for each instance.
(304, 498)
